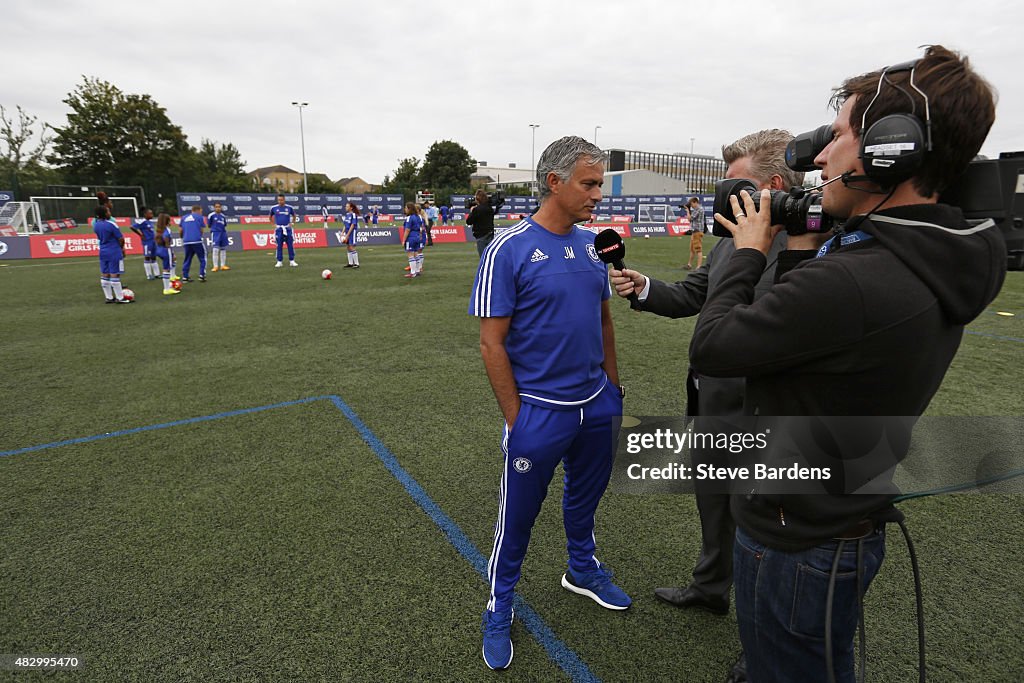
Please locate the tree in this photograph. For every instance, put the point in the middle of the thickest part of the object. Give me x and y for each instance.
(319, 183)
(114, 138)
(20, 160)
(15, 139)
(220, 168)
(405, 180)
(447, 164)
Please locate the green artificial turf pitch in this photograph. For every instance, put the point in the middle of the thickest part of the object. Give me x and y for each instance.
(277, 546)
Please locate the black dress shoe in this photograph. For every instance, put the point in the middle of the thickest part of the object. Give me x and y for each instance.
(738, 673)
(688, 597)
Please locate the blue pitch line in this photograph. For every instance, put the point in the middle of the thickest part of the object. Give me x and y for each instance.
(994, 336)
(562, 655)
(164, 425)
(558, 651)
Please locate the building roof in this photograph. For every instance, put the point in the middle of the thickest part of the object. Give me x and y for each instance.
(266, 170)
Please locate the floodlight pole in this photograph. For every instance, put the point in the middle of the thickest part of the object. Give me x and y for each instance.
(533, 156)
(302, 137)
(595, 134)
(691, 146)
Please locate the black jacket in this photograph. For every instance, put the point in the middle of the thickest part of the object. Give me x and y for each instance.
(481, 218)
(718, 396)
(869, 329)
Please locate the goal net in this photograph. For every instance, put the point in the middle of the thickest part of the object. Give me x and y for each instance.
(82, 209)
(655, 213)
(20, 218)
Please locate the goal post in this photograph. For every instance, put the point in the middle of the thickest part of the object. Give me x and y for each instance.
(21, 218)
(82, 209)
(655, 213)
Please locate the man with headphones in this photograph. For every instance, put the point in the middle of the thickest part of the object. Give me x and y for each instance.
(865, 326)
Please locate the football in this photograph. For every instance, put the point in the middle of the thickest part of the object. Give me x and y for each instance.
(647, 237)
(176, 284)
(128, 294)
(326, 274)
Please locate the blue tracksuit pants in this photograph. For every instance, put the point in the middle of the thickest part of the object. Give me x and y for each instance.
(583, 439)
(284, 236)
(194, 249)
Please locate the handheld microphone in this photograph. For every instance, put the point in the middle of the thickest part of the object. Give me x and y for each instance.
(610, 249)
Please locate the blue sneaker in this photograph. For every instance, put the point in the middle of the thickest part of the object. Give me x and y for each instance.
(497, 643)
(597, 585)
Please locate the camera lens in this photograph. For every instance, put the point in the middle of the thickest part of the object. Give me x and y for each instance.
(797, 213)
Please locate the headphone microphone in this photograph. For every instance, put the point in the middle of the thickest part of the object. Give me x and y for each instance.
(799, 192)
(849, 178)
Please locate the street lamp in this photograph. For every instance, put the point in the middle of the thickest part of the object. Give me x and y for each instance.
(595, 134)
(533, 156)
(302, 137)
(691, 145)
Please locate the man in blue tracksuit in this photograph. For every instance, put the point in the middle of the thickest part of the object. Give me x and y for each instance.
(283, 216)
(548, 345)
(192, 240)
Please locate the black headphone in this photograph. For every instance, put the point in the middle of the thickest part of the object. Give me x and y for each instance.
(894, 147)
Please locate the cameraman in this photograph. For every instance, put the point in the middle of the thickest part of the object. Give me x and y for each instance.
(869, 327)
(759, 156)
(481, 219)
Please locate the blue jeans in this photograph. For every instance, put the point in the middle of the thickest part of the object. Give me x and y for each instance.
(780, 606)
(482, 242)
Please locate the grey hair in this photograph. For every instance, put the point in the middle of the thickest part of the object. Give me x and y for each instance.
(767, 152)
(560, 158)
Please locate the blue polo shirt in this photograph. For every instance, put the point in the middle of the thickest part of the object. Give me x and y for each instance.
(282, 215)
(218, 222)
(192, 228)
(413, 223)
(551, 286)
(109, 236)
(145, 226)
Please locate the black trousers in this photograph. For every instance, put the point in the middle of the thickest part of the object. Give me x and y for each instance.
(712, 575)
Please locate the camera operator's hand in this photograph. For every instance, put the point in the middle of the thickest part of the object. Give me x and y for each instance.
(753, 228)
(627, 281)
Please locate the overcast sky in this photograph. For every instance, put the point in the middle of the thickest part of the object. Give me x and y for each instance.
(386, 79)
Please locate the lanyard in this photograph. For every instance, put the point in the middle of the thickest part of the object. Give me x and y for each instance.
(845, 239)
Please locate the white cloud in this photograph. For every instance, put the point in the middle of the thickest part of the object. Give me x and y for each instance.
(384, 80)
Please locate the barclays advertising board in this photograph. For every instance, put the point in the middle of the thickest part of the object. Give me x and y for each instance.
(257, 204)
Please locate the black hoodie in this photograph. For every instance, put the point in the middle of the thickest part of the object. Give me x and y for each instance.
(867, 330)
